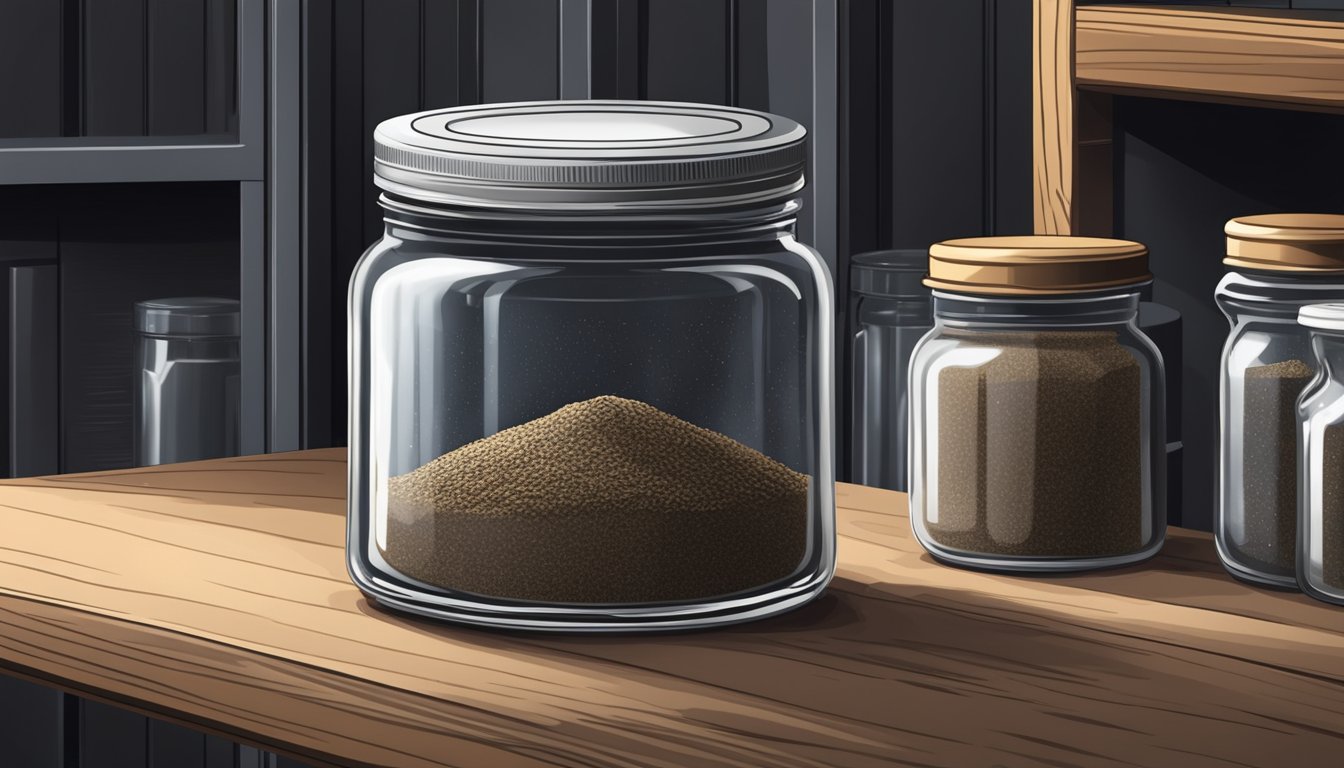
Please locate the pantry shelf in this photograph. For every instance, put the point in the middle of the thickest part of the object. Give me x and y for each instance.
(1272, 56)
(215, 594)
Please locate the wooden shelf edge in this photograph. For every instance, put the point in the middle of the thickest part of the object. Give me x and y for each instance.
(1254, 56)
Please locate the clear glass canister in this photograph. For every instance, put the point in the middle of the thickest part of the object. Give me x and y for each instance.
(890, 310)
(1280, 263)
(188, 361)
(1320, 418)
(1037, 436)
(591, 370)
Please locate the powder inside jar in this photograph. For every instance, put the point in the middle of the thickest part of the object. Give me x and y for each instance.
(1332, 508)
(1040, 450)
(1267, 540)
(608, 500)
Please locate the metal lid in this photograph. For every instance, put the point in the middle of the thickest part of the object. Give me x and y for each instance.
(585, 155)
(1036, 265)
(187, 316)
(895, 273)
(1327, 317)
(1286, 242)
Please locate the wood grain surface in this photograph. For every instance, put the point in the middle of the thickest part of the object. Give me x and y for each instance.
(1258, 56)
(1052, 117)
(215, 594)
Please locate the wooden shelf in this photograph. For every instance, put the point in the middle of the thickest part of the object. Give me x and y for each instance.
(1271, 57)
(215, 594)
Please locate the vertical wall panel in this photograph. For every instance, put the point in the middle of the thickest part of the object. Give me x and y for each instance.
(173, 746)
(451, 75)
(392, 77)
(30, 68)
(114, 67)
(318, 337)
(616, 53)
(752, 75)
(520, 50)
(175, 66)
(1012, 117)
(938, 121)
(111, 737)
(31, 731)
(221, 66)
(350, 185)
(687, 51)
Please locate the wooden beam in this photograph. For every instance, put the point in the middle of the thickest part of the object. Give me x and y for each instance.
(1053, 117)
(1242, 55)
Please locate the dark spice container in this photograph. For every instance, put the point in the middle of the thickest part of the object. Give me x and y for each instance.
(1280, 263)
(1038, 435)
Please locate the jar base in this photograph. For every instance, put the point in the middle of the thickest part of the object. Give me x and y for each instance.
(1256, 579)
(596, 619)
(1026, 566)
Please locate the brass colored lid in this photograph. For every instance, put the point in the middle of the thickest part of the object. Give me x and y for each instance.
(1036, 265)
(1286, 242)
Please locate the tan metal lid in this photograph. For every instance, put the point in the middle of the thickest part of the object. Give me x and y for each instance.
(1036, 265)
(1286, 242)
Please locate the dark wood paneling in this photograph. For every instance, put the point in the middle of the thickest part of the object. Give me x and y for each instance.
(686, 50)
(31, 730)
(351, 189)
(520, 50)
(111, 737)
(221, 66)
(1010, 85)
(451, 74)
(175, 66)
(114, 67)
(938, 124)
(30, 68)
(616, 50)
(392, 82)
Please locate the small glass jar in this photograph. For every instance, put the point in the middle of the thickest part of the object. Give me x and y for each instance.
(1037, 407)
(1320, 415)
(591, 370)
(891, 311)
(187, 353)
(1280, 263)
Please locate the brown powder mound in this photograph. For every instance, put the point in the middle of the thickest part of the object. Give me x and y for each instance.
(604, 501)
(1269, 466)
(1040, 449)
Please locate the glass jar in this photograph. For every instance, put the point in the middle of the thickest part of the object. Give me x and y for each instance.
(1320, 417)
(187, 353)
(891, 311)
(591, 370)
(1280, 263)
(1037, 407)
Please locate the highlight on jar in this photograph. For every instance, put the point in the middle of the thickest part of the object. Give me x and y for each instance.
(1037, 407)
(591, 374)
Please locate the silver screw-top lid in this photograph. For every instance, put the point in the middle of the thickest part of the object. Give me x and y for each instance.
(591, 155)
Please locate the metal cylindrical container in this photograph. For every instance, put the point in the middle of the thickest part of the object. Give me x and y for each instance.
(591, 370)
(1037, 438)
(186, 380)
(890, 310)
(1279, 264)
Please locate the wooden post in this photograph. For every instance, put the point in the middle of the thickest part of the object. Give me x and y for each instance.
(1052, 129)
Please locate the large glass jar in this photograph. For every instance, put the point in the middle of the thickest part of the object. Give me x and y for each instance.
(1280, 263)
(1320, 416)
(591, 370)
(1037, 409)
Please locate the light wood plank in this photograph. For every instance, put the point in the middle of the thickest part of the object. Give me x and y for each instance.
(215, 593)
(1052, 121)
(1258, 56)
